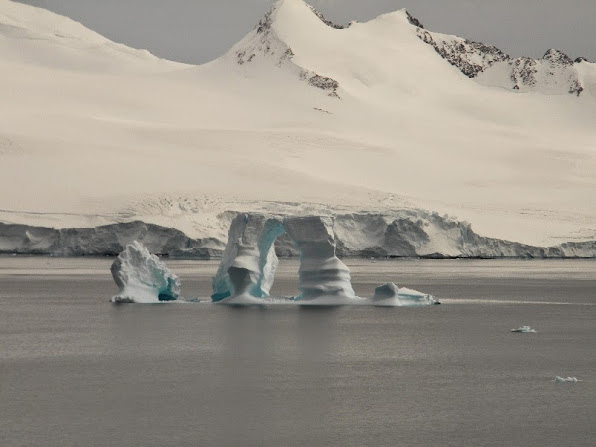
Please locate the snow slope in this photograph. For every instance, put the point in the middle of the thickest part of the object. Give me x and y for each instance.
(299, 118)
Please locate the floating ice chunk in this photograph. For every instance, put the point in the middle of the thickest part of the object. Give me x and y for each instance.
(524, 330)
(247, 269)
(323, 278)
(390, 295)
(386, 295)
(142, 277)
(566, 379)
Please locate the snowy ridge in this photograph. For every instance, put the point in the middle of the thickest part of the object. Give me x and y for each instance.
(264, 42)
(471, 58)
(554, 74)
(37, 28)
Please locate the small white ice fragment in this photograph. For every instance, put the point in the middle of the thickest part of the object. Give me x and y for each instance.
(560, 379)
(524, 330)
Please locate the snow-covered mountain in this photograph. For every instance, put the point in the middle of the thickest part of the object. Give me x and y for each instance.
(555, 73)
(300, 117)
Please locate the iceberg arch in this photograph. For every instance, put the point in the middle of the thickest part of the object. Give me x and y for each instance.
(249, 262)
(247, 270)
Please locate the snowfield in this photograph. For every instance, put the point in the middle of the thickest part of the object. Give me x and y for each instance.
(298, 118)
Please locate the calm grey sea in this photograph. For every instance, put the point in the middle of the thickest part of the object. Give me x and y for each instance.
(76, 370)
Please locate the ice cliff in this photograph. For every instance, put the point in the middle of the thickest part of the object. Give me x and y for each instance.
(104, 240)
(402, 233)
(142, 277)
(249, 261)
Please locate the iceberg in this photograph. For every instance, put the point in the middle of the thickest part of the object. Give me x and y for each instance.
(524, 330)
(142, 277)
(246, 272)
(391, 295)
(386, 295)
(323, 278)
(560, 379)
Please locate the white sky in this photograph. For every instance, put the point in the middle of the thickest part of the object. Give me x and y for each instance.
(197, 31)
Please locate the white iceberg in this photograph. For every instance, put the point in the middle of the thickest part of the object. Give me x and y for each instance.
(560, 379)
(142, 277)
(247, 270)
(392, 296)
(524, 330)
(248, 266)
(323, 278)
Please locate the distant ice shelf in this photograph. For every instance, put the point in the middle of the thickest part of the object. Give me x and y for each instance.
(402, 233)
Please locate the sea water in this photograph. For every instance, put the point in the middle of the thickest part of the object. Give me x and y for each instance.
(76, 370)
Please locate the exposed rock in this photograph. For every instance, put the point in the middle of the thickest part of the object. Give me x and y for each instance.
(265, 42)
(554, 73)
(469, 57)
(557, 57)
(325, 20)
(322, 82)
(413, 20)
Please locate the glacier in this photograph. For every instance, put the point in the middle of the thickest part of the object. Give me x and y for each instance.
(142, 277)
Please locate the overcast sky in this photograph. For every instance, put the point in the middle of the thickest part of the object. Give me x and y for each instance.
(197, 31)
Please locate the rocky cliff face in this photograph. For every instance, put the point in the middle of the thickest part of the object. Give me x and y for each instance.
(469, 57)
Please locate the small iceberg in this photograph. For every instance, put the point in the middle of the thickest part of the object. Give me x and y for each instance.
(560, 379)
(389, 295)
(142, 277)
(524, 330)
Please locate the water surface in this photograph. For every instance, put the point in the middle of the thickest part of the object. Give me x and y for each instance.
(76, 370)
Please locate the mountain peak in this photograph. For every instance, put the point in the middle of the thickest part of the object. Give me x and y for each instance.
(557, 56)
(298, 10)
